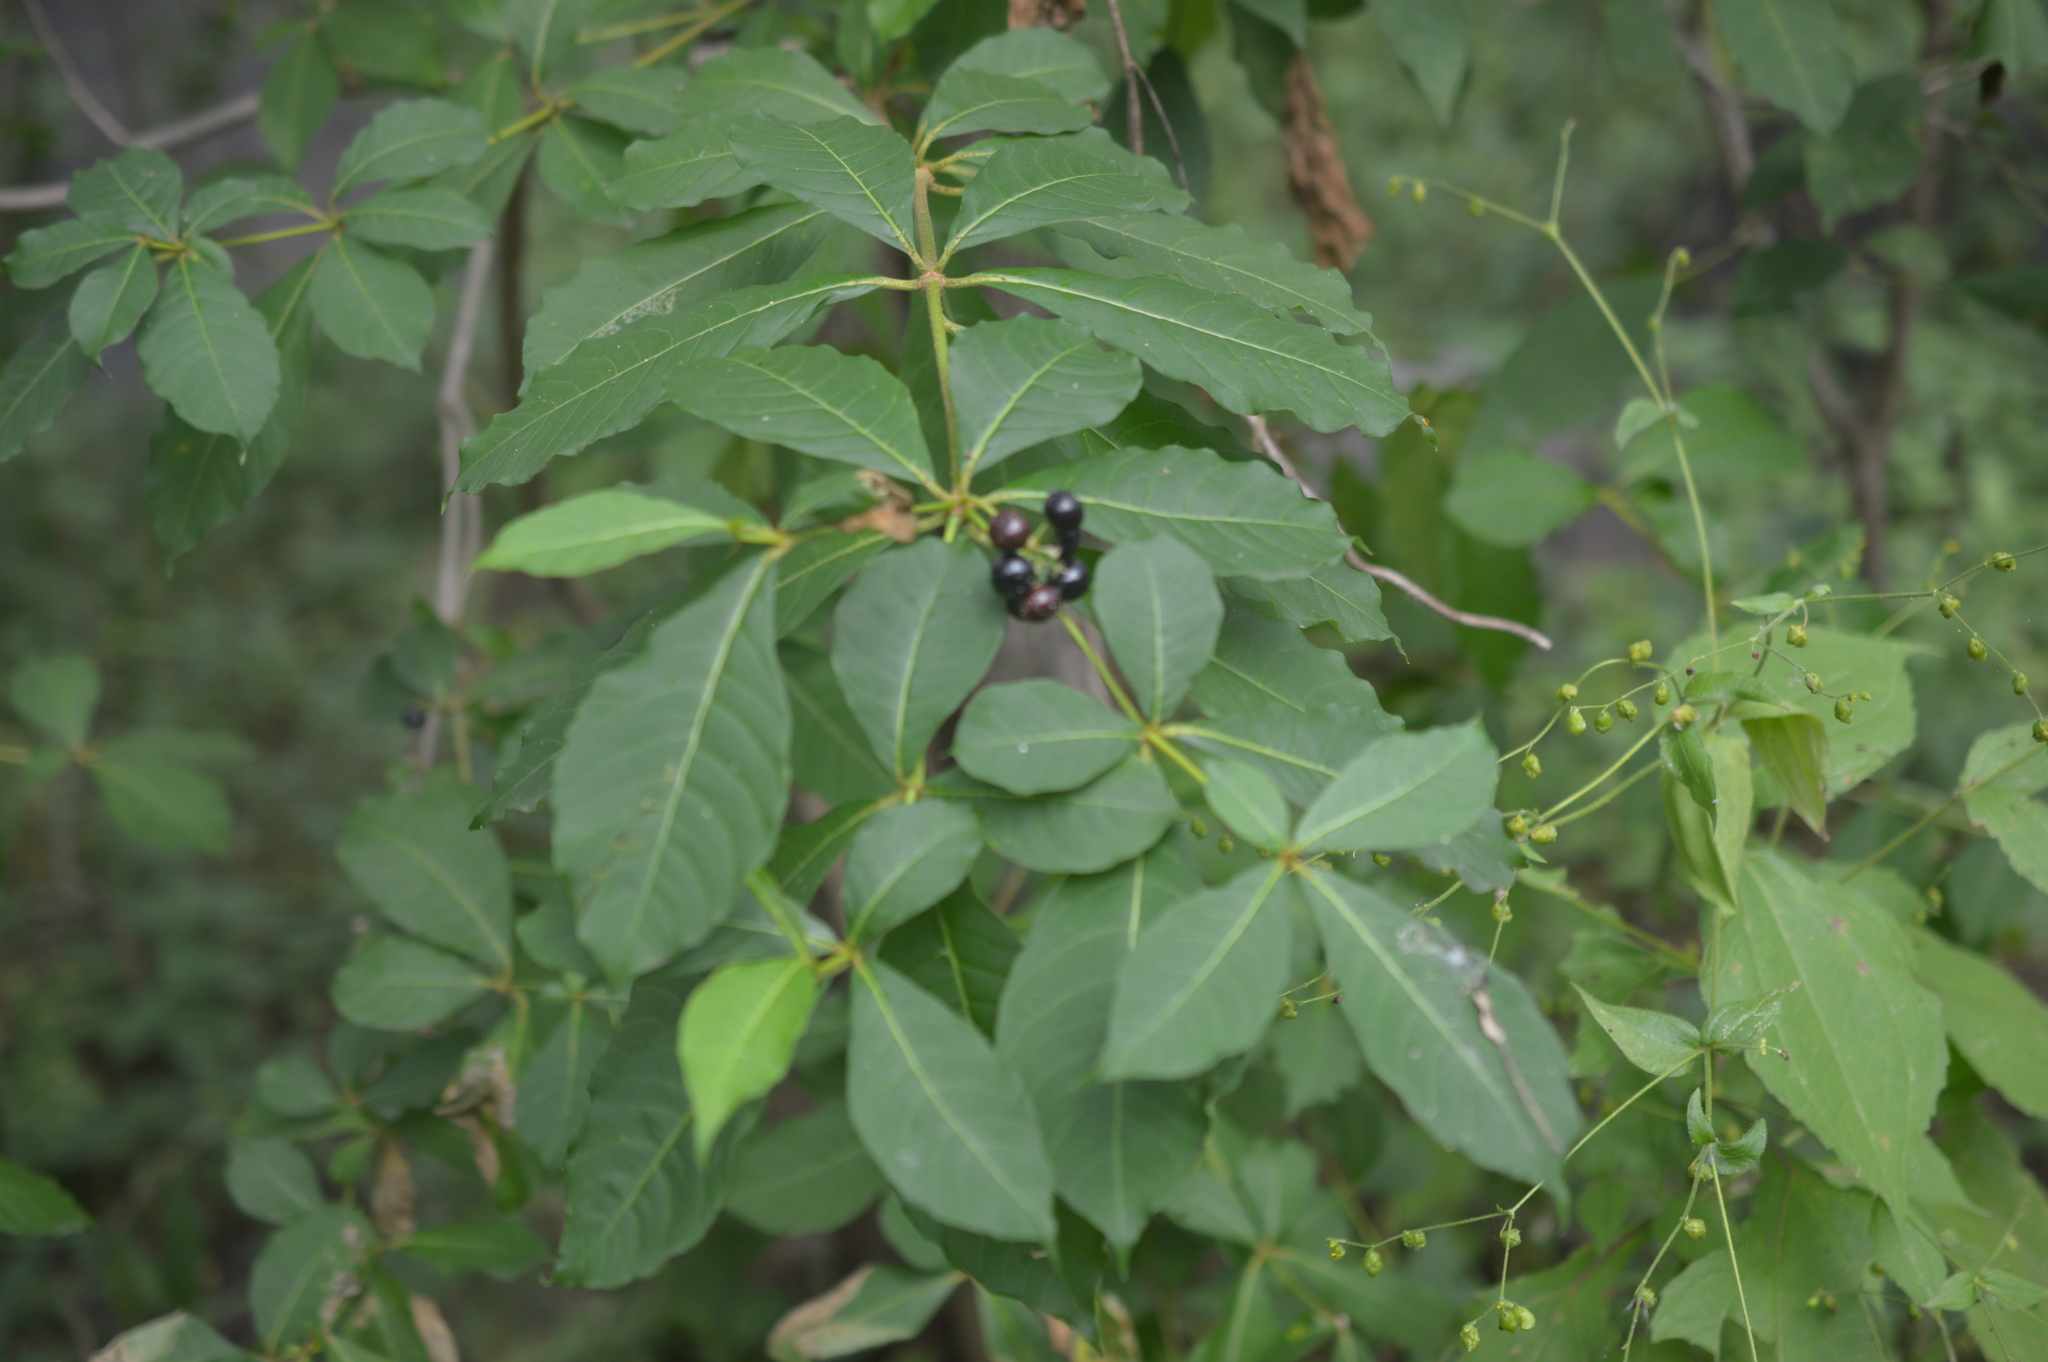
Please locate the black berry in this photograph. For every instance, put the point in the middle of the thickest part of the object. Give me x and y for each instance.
(1063, 510)
(1070, 543)
(1010, 528)
(413, 717)
(1072, 579)
(1012, 577)
(1042, 604)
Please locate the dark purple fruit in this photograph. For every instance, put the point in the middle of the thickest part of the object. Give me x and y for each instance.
(1042, 604)
(1071, 578)
(1070, 543)
(1063, 510)
(413, 717)
(1010, 528)
(1012, 577)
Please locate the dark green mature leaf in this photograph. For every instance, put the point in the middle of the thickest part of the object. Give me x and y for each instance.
(816, 568)
(1795, 53)
(298, 93)
(1514, 499)
(31, 1203)
(1315, 1055)
(1019, 382)
(1225, 260)
(1203, 982)
(644, 99)
(948, 1123)
(410, 139)
(609, 383)
(1405, 790)
(1411, 994)
(544, 30)
(1435, 46)
(675, 775)
(1300, 751)
(649, 278)
(815, 400)
(271, 1179)
(320, 1256)
(38, 380)
(911, 639)
(177, 1337)
(2012, 32)
(386, 40)
(680, 170)
(1244, 519)
(208, 354)
(1793, 751)
(877, 1305)
(807, 1175)
(427, 217)
(967, 100)
(1243, 356)
(1655, 1042)
(1041, 55)
(1874, 155)
(2000, 1027)
(137, 191)
(371, 305)
(857, 172)
(636, 1194)
(1338, 595)
(1259, 662)
(500, 1247)
(789, 87)
(738, 1034)
(394, 983)
(43, 255)
(1032, 183)
(2019, 823)
(414, 855)
(109, 301)
(905, 859)
(1993, 1175)
(1867, 1053)
(1079, 832)
(1033, 737)
(554, 1091)
(959, 952)
(598, 530)
(158, 801)
(56, 696)
(1160, 613)
(831, 755)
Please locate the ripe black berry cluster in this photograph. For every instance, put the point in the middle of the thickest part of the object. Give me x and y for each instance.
(1016, 581)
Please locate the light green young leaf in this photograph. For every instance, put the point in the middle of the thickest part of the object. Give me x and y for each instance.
(1728, 435)
(1434, 43)
(911, 640)
(413, 854)
(410, 139)
(1257, 663)
(807, 1175)
(1409, 994)
(545, 30)
(643, 99)
(855, 171)
(815, 400)
(1033, 737)
(1043, 55)
(675, 776)
(905, 859)
(394, 983)
(370, 304)
(1020, 382)
(1514, 499)
(38, 380)
(2000, 1027)
(1337, 595)
(31, 1203)
(875, 1306)
(595, 531)
(982, 101)
(43, 255)
(298, 93)
(1225, 260)
(56, 696)
(271, 1179)
(161, 803)
(209, 354)
(1793, 752)
(318, 1256)
(109, 301)
(1794, 53)
(958, 951)
(1249, 803)
(738, 1032)
(680, 170)
(1081, 831)
(1405, 790)
(1655, 1042)
(2020, 824)
(137, 191)
(1243, 356)
(948, 1123)
(426, 217)
(1160, 612)
(788, 87)
(1031, 183)
(1244, 519)
(1203, 982)
(1637, 416)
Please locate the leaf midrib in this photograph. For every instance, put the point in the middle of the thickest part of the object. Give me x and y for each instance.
(1449, 758)
(1199, 977)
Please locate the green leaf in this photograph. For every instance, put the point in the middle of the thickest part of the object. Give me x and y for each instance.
(807, 1175)
(109, 301)
(1041, 55)
(650, 278)
(609, 383)
(1513, 499)
(789, 87)
(1410, 994)
(1684, 754)
(831, 755)
(814, 569)
(43, 255)
(233, 199)
(177, 1337)
(209, 354)
(2011, 32)
(675, 776)
(1405, 790)
(138, 191)
(1337, 595)
(2000, 1027)
(1884, 724)
(635, 1192)
(1433, 41)
(1709, 837)
(406, 140)
(911, 640)
(1655, 1042)
(294, 1086)
(1249, 803)
(1017, 383)
(1241, 355)
(1203, 982)
(598, 530)
(31, 1203)
(1225, 260)
(501, 1247)
(1993, 1175)
(1874, 155)
(1315, 1056)
(161, 803)
(56, 696)
(554, 1091)
(298, 93)
(385, 40)
(545, 30)
(394, 983)
(1793, 752)
(370, 304)
(947, 1122)
(1867, 1053)
(1301, 752)
(813, 399)
(2021, 826)
(415, 857)
(1081, 831)
(857, 172)
(1160, 613)
(1034, 737)
(1794, 53)
(958, 951)
(636, 98)
(875, 1306)
(968, 100)
(1731, 435)
(317, 1258)
(1258, 662)
(680, 170)
(1244, 519)
(1997, 748)
(904, 860)
(1030, 183)
(38, 380)
(738, 1033)
(426, 217)
(270, 1179)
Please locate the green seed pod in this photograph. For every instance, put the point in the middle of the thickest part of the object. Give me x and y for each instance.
(1414, 1239)
(2004, 562)
(1842, 710)
(1290, 1011)
(1225, 845)
(1640, 650)
(1503, 914)
(1947, 604)
(1567, 693)
(1626, 709)
(1419, 192)
(1382, 860)
(1374, 1263)
(1694, 1227)
(1813, 682)
(1509, 1320)
(1199, 828)
(1475, 207)
(1469, 1336)
(1646, 1296)
(1511, 1236)
(2019, 683)
(1517, 825)
(1532, 766)
(1543, 836)
(1525, 1318)
(1575, 722)
(1976, 649)
(2041, 730)
(1336, 1249)
(1603, 721)
(1683, 715)
(1662, 693)
(1796, 635)
(1394, 187)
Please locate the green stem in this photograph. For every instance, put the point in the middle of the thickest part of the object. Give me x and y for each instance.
(303, 229)
(690, 34)
(1735, 1265)
(1587, 1138)
(1116, 691)
(1165, 747)
(1576, 795)
(769, 895)
(1604, 800)
(934, 285)
(1889, 847)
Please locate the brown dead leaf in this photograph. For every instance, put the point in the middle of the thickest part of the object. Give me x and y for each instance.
(391, 1195)
(1337, 227)
(1059, 14)
(434, 1330)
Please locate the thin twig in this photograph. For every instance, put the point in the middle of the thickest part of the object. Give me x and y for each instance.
(237, 111)
(1134, 112)
(1263, 435)
(74, 81)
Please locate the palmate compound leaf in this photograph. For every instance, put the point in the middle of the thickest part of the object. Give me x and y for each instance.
(1201, 983)
(1245, 357)
(1249, 803)
(905, 859)
(1404, 791)
(1034, 737)
(674, 778)
(643, 99)
(1244, 519)
(43, 255)
(414, 855)
(426, 217)
(815, 400)
(109, 301)
(1031, 183)
(598, 530)
(609, 383)
(738, 1033)
(208, 353)
(1411, 994)
(1019, 382)
(911, 639)
(788, 87)
(948, 1123)
(1160, 613)
(853, 170)
(136, 192)
(1225, 260)
(680, 170)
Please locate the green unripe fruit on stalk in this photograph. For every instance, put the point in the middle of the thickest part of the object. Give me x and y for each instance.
(1532, 766)
(1517, 825)
(1947, 604)
(1414, 1239)
(1503, 915)
(1813, 682)
(2041, 730)
(1567, 693)
(1336, 1249)
(1842, 710)
(1662, 693)
(1290, 1011)
(1683, 715)
(1694, 1227)
(1511, 1236)
(1382, 860)
(2004, 562)
(1543, 836)
(1199, 828)
(1374, 1264)
(1575, 722)
(1626, 709)
(1225, 845)
(1646, 1296)
(2019, 683)
(1796, 635)
(1640, 650)
(1976, 649)
(1469, 1336)
(1603, 721)
(1525, 1318)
